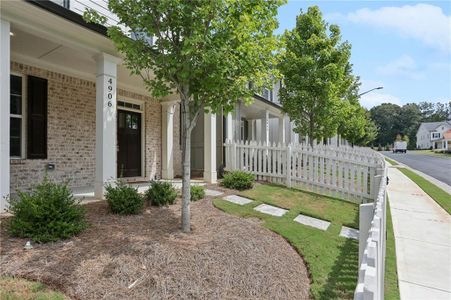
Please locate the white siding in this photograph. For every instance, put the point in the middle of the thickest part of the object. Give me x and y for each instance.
(101, 6)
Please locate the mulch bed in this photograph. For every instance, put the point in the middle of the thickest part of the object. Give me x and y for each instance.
(148, 257)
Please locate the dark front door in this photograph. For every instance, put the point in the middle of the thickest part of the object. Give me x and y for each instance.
(129, 144)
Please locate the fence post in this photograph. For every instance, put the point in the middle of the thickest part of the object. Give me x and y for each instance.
(365, 217)
(288, 166)
(233, 156)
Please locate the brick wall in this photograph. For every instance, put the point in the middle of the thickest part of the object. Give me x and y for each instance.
(71, 132)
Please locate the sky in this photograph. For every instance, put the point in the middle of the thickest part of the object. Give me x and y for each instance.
(403, 46)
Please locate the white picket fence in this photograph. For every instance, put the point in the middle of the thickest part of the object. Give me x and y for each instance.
(353, 174)
(343, 172)
(372, 243)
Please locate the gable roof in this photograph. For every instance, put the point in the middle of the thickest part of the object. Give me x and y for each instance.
(447, 124)
(431, 126)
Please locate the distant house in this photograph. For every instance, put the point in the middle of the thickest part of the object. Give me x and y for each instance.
(435, 135)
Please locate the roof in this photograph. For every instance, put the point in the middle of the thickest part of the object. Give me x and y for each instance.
(276, 105)
(431, 126)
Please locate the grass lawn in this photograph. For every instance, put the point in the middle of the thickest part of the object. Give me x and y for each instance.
(333, 210)
(332, 260)
(391, 274)
(436, 193)
(430, 152)
(391, 161)
(21, 289)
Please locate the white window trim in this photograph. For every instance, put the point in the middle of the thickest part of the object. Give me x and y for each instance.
(143, 129)
(23, 134)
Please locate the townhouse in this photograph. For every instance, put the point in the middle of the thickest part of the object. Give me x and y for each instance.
(70, 110)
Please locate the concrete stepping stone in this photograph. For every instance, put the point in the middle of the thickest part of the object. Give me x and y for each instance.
(312, 222)
(271, 210)
(237, 199)
(349, 233)
(213, 193)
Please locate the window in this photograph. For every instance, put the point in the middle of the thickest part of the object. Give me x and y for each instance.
(63, 3)
(266, 93)
(16, 116)
(28, 118)
(129, 105)
(436, 135)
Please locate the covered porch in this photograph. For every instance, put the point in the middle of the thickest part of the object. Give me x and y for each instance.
(260, 121)
(70, 110)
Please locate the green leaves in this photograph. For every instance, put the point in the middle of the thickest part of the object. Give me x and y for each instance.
(212, 47)
(318, 80)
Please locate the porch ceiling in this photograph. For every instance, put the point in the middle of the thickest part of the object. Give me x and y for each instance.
(256, 109)
(45, 40)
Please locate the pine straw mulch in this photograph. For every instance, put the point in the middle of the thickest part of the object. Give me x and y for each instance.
(148, 257)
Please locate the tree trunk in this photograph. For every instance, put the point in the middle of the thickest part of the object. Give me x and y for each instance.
(311, 132)
(186, 181)
(186, 163)
(189, 119)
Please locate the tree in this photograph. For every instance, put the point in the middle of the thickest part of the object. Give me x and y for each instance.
(357, 127)
(384, 116)
(393, 119)
(317, 75)
(204, 50)
(408, 121)
(434, 112)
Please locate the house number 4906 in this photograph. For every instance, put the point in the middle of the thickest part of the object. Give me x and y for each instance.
(110, 91)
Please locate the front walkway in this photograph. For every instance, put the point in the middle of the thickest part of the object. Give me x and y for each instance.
(423, 240)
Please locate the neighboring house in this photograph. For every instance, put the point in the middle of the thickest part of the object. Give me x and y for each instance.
(445, 142)
(70, 110)
(262, 121)
(430, 134)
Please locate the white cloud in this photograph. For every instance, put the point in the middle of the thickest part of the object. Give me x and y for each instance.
(405, 66)
(376, 97)
(373, 99)
(424, 22)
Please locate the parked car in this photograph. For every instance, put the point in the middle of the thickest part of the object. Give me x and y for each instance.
(400, 147)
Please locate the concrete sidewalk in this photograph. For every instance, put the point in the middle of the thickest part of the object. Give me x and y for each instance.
(423, 240)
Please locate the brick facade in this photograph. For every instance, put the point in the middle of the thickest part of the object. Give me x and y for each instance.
(71, 133)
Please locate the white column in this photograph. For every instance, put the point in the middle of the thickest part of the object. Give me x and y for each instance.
(229, 126)
(251, 133)
(106, 146)
(282, 129)
(168, 110)
(4, 112)
(265, 127)
(210, 175)
(237, 122)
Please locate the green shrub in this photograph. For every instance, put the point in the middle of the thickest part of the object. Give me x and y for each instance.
(48, 213)
(124, 199)
(197, 192)
(161, 193)
(238, 180)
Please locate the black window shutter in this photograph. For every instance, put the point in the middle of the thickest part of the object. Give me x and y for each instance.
(37, 118)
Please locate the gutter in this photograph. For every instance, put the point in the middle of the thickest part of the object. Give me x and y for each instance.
(68, 15)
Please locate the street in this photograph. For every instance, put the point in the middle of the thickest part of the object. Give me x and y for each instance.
(434, 166)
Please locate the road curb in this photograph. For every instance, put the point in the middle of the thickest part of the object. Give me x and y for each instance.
(433, 180)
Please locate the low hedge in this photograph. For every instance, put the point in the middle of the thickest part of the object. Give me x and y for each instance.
(238, 180)
(48, 213)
